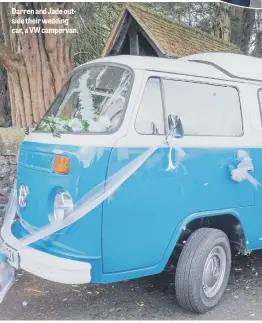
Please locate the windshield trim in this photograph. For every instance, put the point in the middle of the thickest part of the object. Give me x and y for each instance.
(90, 65)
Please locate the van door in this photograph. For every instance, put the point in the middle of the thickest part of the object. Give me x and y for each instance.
(141, 216)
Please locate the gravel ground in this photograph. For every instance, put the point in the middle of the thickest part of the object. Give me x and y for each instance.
(151, 298)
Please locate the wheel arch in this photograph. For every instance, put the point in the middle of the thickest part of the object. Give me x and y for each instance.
(227, 221)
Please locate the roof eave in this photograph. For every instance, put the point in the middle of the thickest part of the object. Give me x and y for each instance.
(114, 33)
(229, 46)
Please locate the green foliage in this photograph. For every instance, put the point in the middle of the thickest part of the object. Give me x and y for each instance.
(94, 22)
(51, 123)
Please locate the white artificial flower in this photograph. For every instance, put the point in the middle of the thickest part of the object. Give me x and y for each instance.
(75, 125)
(100, 125)
(95, 126)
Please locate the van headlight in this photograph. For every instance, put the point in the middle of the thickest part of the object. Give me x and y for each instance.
(63, 205)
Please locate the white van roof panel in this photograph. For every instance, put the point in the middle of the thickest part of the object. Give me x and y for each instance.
(168, 65)
(210, 65)
(235, 65)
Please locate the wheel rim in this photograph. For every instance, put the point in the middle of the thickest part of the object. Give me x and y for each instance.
(214, 271)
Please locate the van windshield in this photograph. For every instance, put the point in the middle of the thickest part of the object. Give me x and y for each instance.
(93, 100)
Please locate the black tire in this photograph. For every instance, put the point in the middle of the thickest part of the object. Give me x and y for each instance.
(191, 263)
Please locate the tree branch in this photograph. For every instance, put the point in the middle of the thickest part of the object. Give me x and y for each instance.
(80, 53)
(8, 58)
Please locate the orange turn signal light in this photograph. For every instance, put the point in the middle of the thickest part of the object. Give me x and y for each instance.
(61, 165)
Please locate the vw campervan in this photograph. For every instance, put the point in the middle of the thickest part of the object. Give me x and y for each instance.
(136, 158)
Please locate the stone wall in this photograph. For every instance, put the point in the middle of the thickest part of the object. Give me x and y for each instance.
(10, 139)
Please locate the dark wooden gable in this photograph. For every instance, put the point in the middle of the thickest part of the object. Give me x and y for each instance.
(132, 40)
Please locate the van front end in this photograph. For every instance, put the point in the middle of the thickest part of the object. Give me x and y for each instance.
(45, 196)
(61, 164)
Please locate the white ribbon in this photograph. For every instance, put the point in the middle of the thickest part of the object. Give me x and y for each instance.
(240, 173)
(180, 154)
(92, 199)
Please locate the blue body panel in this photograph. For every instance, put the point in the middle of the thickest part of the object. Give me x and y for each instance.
(140, 219)
(133, 232)
(87, 169)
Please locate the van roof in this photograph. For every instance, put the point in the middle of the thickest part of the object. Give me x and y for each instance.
(233, 65)
(211, 65)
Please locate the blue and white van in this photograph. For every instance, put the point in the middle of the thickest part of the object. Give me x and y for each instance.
(139, 158)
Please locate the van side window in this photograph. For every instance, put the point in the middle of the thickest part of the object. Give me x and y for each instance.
(150, 118)
(204, 109)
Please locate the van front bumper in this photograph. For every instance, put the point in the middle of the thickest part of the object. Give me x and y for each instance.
(44, 265)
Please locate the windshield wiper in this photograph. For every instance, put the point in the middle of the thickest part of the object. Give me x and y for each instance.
(54, 132)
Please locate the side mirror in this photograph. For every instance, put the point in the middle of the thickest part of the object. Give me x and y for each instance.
(175, 126)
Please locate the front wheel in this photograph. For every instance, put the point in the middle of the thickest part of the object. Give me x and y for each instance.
(203, 270)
